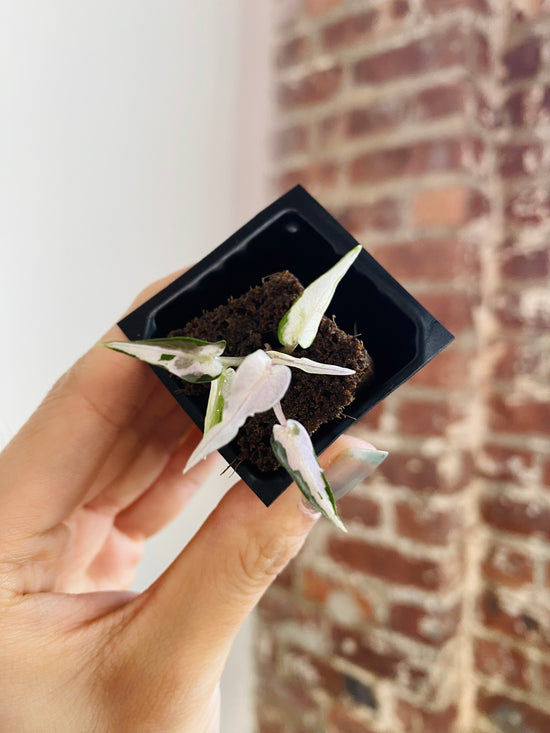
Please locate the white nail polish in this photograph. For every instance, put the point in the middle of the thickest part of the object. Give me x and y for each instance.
(351, 467)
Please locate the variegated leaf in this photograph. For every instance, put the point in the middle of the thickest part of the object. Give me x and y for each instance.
(308, 365)
(300, 323)
(258, 384)
(188, 358)
(294, 451)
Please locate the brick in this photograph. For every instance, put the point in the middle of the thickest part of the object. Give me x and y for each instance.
(531, 11)
(349, 30)
(501, 463)
(341, 720)
(480, 54)
(530, 265)
(318, 588)
(293, 139)
(523, 61)
(519, 159)
(407, 160)
(453, 309)
(417, 720)
(296, 700)
(319, 7)
(282, 606)
(450, 206)
(452, 370)
(357, 508)
(516, 358)
(421, 473)
(285, 579)
(507, 416)
(545, 676)
(430, 627)
(420, 523)
(428, 259)
(512, 716)
(442, 49)
(516, 624)
(524, 107)
(390, 111)
(382, 215)
(315, 87)
(442, 100)
(444, 6)
(504, 566)
(315, 177)
(382, 114)
(501, 662)
(270, 726)
(516, 517)
(424, 418)
(331, 129)
(388, 564)
(292, 52)
(362, 652)
(329, 679)
(372, 419)
(399, 8)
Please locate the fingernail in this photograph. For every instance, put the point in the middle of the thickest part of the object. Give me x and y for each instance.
(351, 467)
(307, 507)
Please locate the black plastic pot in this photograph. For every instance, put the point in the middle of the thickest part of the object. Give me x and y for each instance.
(296, 233)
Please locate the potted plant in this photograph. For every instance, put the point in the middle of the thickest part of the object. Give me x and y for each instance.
(294, 235)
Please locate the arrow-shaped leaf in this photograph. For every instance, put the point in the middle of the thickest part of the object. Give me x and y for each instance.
(188, 358)
(294, 451)
(308, 365)
(258, 384)
(300, 323)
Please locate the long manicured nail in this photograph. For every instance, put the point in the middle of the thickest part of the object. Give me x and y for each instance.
(351, 467)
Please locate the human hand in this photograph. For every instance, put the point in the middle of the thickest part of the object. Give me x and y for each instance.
(96, 471)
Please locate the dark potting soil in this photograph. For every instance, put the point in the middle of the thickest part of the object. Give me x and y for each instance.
(250, 322)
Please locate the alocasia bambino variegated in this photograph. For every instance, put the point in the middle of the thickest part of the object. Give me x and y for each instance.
(243, 386)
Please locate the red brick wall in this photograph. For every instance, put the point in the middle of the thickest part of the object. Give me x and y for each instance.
(424, 126)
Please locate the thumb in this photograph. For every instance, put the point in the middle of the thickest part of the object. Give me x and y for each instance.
(207, 593)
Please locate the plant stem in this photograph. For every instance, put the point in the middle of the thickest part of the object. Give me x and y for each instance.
(230, 361)
(279, 414)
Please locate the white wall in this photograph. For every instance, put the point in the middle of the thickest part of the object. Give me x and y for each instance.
(132, 141)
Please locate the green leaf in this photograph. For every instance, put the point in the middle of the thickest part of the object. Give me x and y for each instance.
(308, 365)
(293, 449)
(300, 323)
(258, 384)
(188, 358)
(219, 391)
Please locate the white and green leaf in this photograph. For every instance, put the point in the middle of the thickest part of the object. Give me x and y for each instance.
(188, 358)
(219, 392)
(258, 384)
(294, 450)
(301, 322)
(308, 365)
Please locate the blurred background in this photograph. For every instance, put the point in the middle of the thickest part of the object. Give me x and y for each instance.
(135, 137)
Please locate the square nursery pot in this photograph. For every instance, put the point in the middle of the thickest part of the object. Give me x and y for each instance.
(296, 233)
